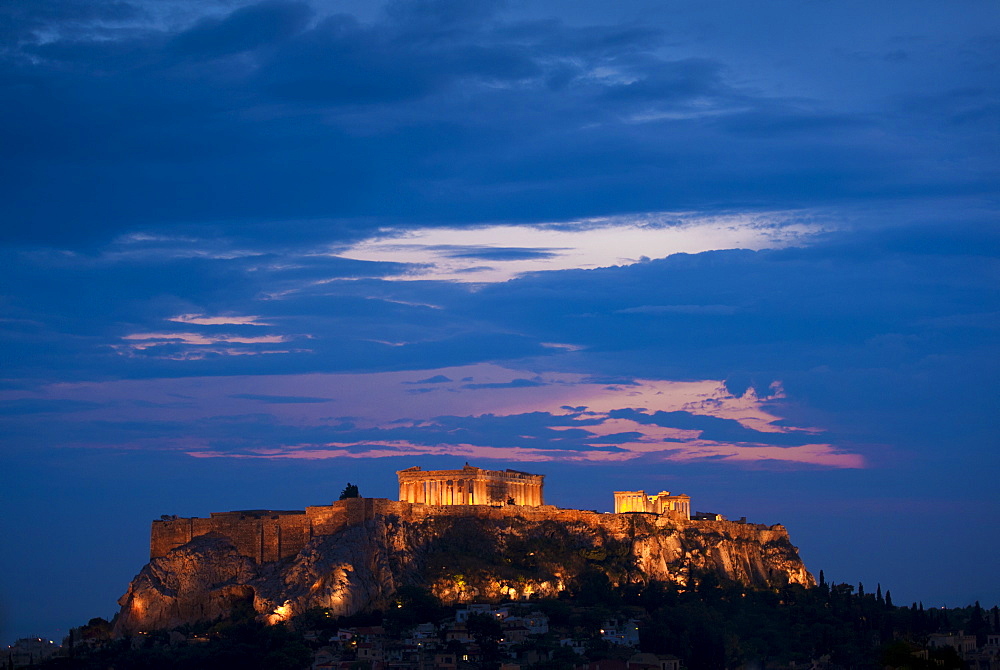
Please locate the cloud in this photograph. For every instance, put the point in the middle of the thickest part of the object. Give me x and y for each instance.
(144, 340)
(708, 424)
(436, 379)
(203, 320)
(540, 436)
(276, 121)
(23, 406)
(245, 29)
(581, 244)
(488, 253)
(279, 399)
(514, 384)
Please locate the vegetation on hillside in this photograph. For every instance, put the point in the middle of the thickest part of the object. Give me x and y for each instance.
(712, 626)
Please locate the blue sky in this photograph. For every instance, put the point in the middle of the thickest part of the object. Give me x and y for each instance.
(252, 251)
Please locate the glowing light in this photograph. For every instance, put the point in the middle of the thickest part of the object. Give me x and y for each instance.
(281, 613)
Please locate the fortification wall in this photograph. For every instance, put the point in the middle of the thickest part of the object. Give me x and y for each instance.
(269, 535)
(263, 535)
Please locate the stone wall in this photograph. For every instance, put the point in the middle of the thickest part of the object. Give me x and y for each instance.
(262, 535)
(269, 535)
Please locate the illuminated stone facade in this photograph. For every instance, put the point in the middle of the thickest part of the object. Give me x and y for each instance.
(661, 503)
(470, 486)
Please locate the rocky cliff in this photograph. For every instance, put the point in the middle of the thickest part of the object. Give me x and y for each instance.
(476, 553)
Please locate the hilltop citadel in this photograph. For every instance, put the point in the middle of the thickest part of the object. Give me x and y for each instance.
(271, 535)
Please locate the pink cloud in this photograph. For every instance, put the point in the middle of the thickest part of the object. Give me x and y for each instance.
(382, 401)
(203, 320)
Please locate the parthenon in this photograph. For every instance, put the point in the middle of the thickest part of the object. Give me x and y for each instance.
(470, 486)
(661, 503)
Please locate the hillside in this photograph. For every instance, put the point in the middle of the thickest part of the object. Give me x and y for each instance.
(459, 553)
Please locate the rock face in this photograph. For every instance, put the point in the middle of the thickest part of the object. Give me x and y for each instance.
(459, 554)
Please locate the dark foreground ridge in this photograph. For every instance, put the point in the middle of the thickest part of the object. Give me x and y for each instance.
(591, 626)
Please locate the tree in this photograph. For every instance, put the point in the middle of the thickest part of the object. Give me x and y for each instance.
(350, 491)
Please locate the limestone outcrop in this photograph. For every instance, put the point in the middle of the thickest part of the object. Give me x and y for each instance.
(459, 553)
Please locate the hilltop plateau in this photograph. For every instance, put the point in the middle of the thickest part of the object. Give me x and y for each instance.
(356, 554)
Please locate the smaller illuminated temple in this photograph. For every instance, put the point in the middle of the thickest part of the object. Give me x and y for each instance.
(470, 486)
(661, 503)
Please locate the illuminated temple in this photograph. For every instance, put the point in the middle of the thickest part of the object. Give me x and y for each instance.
(470, 486)
(661, 503)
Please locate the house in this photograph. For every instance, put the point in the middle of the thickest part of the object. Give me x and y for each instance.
(624, 634)
(653, 662)
(959, 641)
(605, 664)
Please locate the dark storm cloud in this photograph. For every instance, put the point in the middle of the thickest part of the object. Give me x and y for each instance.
(27, 20)
(246, 29)
(272, 114)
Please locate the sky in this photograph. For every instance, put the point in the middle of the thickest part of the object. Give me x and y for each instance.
(250, 252)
